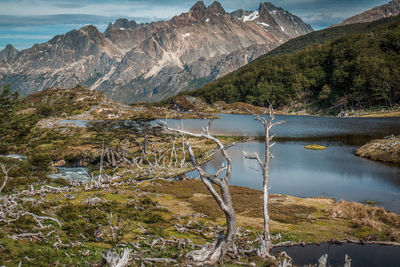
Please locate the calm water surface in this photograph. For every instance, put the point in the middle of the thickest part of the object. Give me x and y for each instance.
(335, 172)
(299, 127)
(367, 255)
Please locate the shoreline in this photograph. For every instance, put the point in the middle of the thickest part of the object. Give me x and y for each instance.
(337, 242)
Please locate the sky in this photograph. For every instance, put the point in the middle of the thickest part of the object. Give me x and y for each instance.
(26, 22)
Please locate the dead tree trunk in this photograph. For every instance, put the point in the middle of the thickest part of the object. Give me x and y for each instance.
(268, 123)
(210, 254)
(5, 173)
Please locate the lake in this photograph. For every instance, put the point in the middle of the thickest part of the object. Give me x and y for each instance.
(335, 172)
(349, 130)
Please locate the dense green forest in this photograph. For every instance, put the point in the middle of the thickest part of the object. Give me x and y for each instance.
(356, 70)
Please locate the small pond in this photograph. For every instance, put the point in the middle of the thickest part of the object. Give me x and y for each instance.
(76, 123)
(71, 173)
(361, 255)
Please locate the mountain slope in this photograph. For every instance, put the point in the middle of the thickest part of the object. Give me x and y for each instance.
(387, 10)
(353, 71)
(326, 35)
(8, 52)
(133, 62)
(67, 59)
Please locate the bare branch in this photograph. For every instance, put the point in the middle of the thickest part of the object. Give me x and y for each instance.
(212, 253)
(5, 172)
(254, 156)
(114, 260)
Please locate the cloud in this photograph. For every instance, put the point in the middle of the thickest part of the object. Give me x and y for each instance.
(41, 18)
(26, 36)
(309, 10)
(7, 21)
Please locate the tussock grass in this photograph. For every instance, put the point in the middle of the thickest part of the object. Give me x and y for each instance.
(365, 216)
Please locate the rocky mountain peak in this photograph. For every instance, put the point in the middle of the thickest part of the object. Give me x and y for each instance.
(8, 52)
(198, 10)
(266, 7)
(387, 10)
(90, 29)
(215, 8)
(152, 61)
(93, 34)
(122, 24)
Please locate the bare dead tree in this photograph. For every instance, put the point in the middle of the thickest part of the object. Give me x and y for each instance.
(5, 173)
(210, 254)
(268, 123)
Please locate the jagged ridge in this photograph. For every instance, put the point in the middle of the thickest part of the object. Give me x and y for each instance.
(387, 10)
(149, 62)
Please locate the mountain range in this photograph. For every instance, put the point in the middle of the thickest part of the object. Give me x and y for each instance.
(133, 62)
(387, 10)
(350, 67)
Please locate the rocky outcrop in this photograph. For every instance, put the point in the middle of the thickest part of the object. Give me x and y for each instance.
(133, 62)
(390, 9)
(386, 150)
(8, 53)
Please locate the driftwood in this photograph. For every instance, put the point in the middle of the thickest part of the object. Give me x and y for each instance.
(115, 260)
(268, 123)
(12, 208)
(210, 254)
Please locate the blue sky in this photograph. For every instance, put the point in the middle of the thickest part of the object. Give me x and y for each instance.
(26, 22)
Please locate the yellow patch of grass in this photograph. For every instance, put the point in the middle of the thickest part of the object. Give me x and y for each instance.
(297, 219)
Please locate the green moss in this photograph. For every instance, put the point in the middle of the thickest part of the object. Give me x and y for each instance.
(315, 147)
(370, 202)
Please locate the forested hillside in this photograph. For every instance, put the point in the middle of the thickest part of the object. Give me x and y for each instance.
(357, 70)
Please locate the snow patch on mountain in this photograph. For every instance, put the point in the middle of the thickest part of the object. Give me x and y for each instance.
(251, 17)
(263, 24)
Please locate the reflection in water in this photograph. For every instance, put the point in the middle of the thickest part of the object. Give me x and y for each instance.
(367, 255)
(335, 172)
(351, 130)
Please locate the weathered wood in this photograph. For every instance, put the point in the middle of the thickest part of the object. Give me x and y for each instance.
(268, 123)
(5, 173)
(210, 254)
(114, 260)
